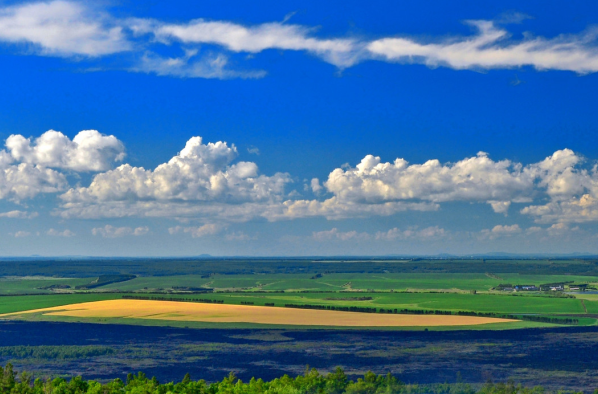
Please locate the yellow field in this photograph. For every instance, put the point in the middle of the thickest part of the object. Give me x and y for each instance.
(219, 313)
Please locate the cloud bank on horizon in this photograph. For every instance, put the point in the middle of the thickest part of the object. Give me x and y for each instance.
(205, 183)
(79, 30)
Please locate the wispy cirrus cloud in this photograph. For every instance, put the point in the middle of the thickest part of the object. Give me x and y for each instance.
(62, 28)
(211, 66)
(77, 29)
(342, 52)
(492, 48)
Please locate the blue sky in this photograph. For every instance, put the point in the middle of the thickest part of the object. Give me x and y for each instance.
(227, 128)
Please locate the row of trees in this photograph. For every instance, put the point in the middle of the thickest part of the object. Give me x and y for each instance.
(541, 319)
(200, 300)
(364, 309)
(312, 382)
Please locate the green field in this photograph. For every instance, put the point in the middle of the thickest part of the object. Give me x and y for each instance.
(19, 285)
(157, 282)
(301, 282)
(390, 281)
(379, 281)
(384, 284)
(25, 303)
(455, 302)
(426, 301)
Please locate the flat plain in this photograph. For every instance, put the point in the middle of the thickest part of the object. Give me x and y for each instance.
(452, 287)
(268, 317)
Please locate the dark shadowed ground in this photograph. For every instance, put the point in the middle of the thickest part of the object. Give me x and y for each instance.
(555, 358)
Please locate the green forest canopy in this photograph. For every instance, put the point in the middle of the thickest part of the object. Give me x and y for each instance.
(312, 382)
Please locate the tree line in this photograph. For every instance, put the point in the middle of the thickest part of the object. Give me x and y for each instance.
(311, 382)
(200, 300)
(540, 319)
(363, 309)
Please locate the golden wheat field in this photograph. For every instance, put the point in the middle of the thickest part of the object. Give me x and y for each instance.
(222, 313)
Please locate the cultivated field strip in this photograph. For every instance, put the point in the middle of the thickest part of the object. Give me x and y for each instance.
(218, 313)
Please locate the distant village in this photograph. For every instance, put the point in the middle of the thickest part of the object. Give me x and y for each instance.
(561, 286)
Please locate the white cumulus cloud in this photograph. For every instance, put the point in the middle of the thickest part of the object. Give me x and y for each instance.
(476, 178)
(239, 236)
(88, 151)
(109, 231)
(334, 234)
(197, 232)
(25, 180)
(573, 190)
(500, 230)
(56, 233)
(201, 178)
(428, 233)
(335, 208)
(315, 185)
(373, 188)
(16, 214)
(500, 206)
(28, 167)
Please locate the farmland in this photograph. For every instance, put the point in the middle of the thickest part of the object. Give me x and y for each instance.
(219, 313)
(447, 302)
(325, 284)
(24, 303)
(293, 282)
